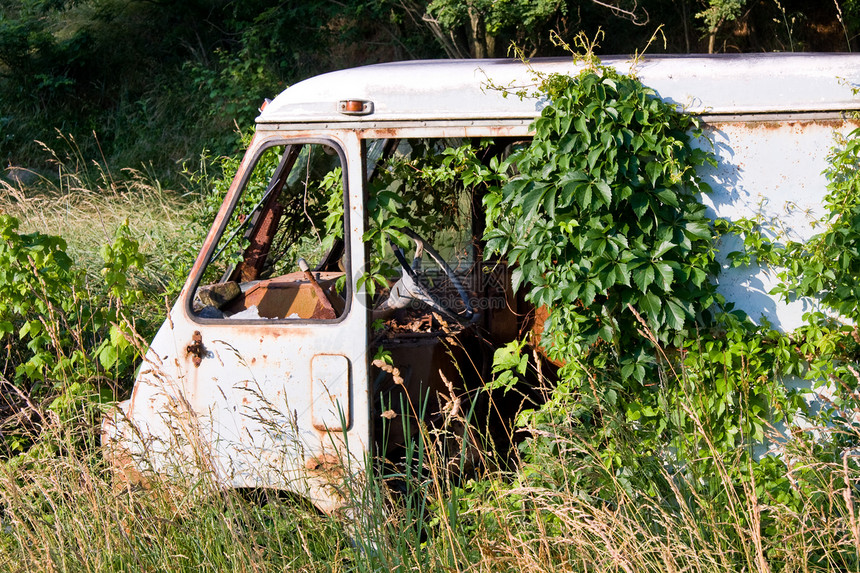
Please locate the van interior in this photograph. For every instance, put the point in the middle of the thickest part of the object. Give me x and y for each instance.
(439, 309)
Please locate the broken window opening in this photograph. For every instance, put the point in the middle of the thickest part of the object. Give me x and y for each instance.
(434, 359)
(273, 259)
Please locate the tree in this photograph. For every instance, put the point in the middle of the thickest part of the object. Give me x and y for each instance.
(717, 13)
(484, 28)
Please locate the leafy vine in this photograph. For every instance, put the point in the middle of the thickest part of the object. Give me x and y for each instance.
(600, 216)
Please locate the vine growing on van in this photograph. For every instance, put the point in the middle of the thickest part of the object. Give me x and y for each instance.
(602, 221)
(823, 270)
(600, 217)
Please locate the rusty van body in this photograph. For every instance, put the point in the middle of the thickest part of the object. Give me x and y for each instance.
(274, 372)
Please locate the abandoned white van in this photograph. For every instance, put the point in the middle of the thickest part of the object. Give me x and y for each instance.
(265, 373)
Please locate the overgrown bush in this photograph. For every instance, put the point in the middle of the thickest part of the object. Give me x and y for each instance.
(68, 343)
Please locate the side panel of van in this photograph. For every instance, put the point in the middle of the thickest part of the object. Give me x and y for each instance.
(771, 171)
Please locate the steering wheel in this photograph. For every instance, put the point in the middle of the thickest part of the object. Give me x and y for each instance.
(411, 287)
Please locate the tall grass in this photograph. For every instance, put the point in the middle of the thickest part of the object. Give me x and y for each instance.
(62, 511)
(85, 202)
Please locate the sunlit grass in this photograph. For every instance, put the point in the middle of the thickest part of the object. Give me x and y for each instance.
(85, 203)
(61, 510)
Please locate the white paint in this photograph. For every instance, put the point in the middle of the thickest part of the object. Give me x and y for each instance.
(465, 89)
(775, 173)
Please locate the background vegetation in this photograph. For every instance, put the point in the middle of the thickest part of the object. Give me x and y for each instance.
(147, 84)
(642, 458)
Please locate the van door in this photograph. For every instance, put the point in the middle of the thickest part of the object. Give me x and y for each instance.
(260, 372)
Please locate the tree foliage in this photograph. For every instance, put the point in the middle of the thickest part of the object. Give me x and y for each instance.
(715, 14)
(159, 81)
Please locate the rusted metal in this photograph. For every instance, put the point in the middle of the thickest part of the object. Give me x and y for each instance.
(325, 310)
(196, 349)
(324, 463)
(328, 468)
(355, 107)
(261, 240)
(290, 296)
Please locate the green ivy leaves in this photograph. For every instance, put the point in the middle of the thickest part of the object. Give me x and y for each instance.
(603, 214)
(827, 266)
(601, 222)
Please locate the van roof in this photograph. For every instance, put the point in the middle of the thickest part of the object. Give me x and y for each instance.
(725, 84)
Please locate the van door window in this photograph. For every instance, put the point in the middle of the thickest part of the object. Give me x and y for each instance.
(281, 254)
(424, 230)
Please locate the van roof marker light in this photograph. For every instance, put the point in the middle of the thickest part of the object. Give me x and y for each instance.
(355, 107)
